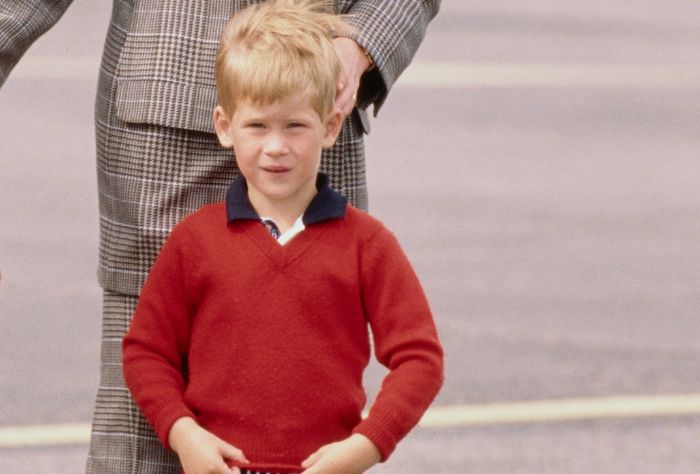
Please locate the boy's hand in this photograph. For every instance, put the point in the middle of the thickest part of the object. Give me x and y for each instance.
(353, 455)
(200, 451)
(355, 63)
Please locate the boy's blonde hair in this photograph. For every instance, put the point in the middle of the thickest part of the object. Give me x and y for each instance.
(273, 50)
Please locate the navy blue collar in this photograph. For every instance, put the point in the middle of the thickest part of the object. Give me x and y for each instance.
(327, 204)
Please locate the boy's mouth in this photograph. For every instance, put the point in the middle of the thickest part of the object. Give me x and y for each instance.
(276, 169)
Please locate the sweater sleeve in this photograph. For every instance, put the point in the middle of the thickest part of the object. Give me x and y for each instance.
(405, 339)
(21, 23)
(391, 31)
(155, 346)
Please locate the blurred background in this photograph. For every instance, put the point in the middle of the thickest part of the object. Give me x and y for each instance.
(539, 164)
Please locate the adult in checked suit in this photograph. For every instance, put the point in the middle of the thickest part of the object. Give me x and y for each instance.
(158, 158)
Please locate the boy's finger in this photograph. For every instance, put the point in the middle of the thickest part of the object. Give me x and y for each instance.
(311, 460)
(231, 452)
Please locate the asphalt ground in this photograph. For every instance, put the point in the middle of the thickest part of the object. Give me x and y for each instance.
(538, 163)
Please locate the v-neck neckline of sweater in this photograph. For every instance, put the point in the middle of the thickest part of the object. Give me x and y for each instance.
(281, 255)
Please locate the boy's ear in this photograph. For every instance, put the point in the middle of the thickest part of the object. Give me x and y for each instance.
(334, 122)
(222, 125)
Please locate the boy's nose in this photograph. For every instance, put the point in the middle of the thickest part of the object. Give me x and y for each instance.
(275, 145)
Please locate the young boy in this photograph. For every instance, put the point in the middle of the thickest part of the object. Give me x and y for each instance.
(249, 342)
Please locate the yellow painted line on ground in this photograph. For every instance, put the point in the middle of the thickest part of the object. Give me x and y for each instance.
(44, 435)
(549, 75)
(540, 411)
(448, 74)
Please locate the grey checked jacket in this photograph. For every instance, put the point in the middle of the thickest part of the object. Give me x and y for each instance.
(157, 156)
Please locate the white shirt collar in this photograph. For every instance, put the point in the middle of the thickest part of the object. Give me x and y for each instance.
(290, 233)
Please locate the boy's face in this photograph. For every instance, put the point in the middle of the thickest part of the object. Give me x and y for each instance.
(278, 147)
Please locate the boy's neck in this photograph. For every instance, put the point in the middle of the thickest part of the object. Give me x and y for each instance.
(283, 212)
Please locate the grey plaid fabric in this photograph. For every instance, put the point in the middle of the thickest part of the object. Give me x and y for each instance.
(22, 22)
(122, 440)
(158, 159)
(248, 471)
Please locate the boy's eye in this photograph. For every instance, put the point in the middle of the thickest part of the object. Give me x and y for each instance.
(254, 124)
(296, 125)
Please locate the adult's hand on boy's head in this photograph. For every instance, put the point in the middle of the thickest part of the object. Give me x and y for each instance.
(355, 63)
(200, 451)
(353, 455)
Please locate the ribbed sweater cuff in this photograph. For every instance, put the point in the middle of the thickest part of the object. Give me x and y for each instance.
(383, 431)
(165, 416)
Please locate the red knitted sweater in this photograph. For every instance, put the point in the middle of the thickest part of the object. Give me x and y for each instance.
(275, 338)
